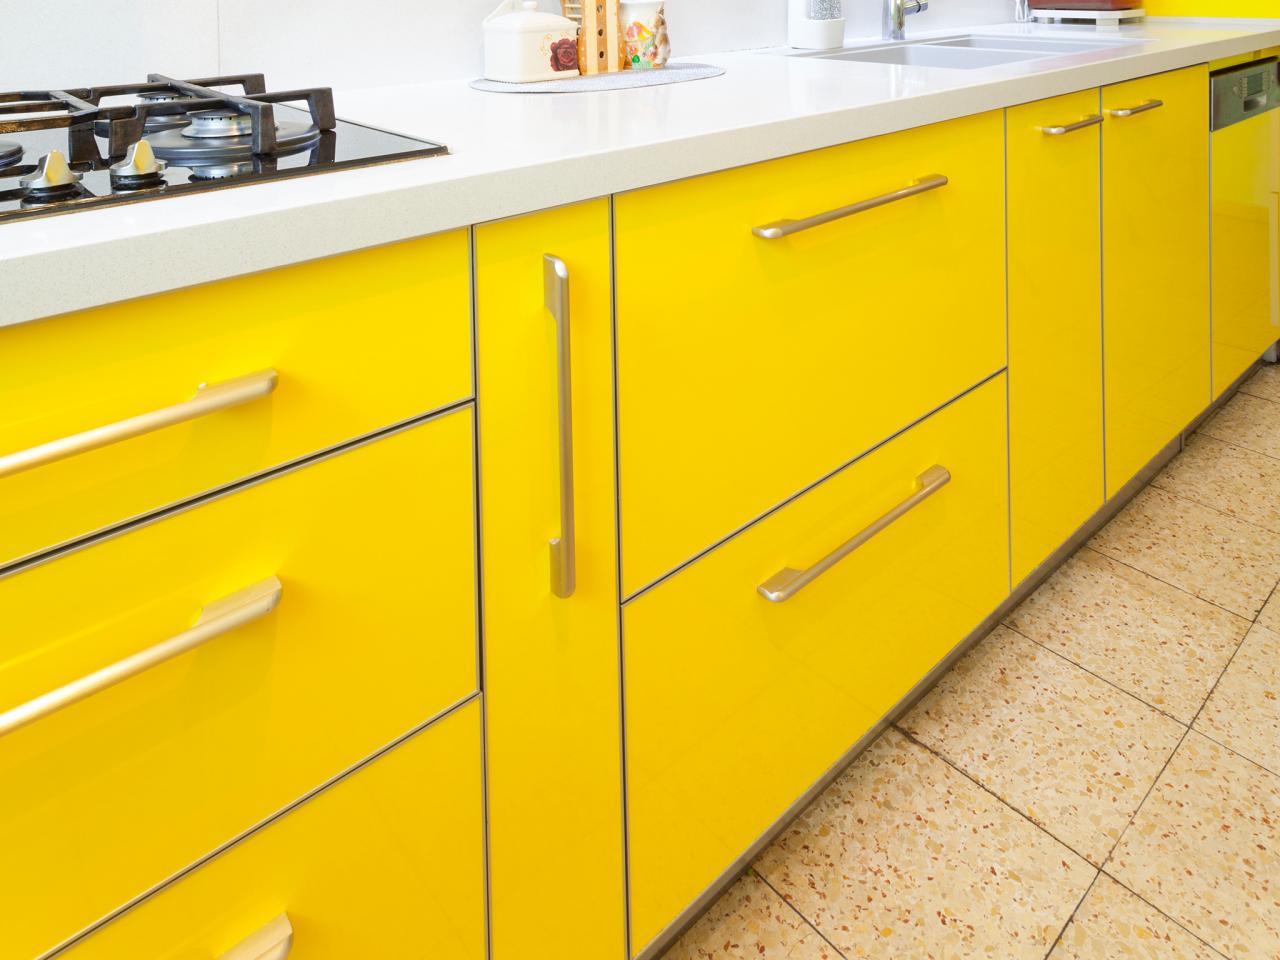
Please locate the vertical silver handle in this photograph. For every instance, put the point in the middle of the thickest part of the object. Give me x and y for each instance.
(272, 942)
(1140, 108)
(555, 291)
(787, 582)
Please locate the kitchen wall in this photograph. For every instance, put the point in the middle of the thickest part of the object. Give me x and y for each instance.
(342, 43)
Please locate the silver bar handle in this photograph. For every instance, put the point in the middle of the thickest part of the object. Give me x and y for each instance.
(1140, 108)
(271, 942)
(785, 228)
(216, 618)
(787, 582)
(555, 290)
(1089, 121)
(209, 398)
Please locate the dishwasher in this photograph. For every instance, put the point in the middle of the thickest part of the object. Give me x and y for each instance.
(1245, 143)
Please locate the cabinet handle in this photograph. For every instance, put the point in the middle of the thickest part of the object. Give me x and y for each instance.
(1090, 121)
(272, 942)
(209, 398)
(785, 228)
(555, 291)
(216, 618)
(1140, 108)
(786, 583)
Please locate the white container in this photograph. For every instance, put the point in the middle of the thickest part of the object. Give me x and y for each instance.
(523, 44)
(815, 24)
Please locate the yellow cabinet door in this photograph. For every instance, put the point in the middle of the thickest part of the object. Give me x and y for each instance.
(1056, 476)
(388, 862)
(736, 705)
(749, 368)
(1155, 242)
(553, 727)
(1246, 245)
(280, 364)
(372, 632)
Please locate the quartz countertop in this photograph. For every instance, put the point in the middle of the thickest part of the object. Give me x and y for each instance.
(515, 153)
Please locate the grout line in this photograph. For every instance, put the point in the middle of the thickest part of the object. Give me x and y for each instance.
(1080, 903)
(1155, 482)
(796, 910)
(1106, 680)
(1167, 583)
(983, 787)
(1185, 929)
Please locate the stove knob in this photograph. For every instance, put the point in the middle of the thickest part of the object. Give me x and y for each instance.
(139, 168)
(52, 174)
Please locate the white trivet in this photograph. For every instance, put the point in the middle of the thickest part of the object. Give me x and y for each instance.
(671, 73)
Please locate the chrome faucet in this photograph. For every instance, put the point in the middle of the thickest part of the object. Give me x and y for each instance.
(894, 20)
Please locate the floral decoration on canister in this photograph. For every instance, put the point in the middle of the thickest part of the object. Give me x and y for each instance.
(645, 34)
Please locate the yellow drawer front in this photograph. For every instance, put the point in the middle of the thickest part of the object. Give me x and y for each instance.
(1246, 245)
(552, 711)
(736, 705)
(357, 343)
(373, 633)
(1055, 325)
(749, 368)
(1155, 243)
(387, 863)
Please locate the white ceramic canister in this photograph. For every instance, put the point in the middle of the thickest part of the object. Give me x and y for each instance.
(644, 33)
(523, 44)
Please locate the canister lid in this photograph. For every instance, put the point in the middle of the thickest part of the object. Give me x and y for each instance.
(523, 16)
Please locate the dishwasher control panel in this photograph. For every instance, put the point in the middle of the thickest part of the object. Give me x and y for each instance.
(1239, 93)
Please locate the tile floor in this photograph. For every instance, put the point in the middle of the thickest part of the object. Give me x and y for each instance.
(1098, 779)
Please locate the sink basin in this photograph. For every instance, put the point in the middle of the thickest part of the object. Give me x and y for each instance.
(930, 55)
(972, 51)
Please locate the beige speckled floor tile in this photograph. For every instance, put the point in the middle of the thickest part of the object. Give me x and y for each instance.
(1236, 481)
(748, 922)
(1146, 637)
(1247, 421)
(1113, 924)
(1270, 615)
(1244, 711)
(1070, 751)
(1196, 548)
(904, 857)
(1205, 849)
(1265, 383)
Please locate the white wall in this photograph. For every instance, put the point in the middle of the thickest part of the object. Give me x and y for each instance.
(347, 43)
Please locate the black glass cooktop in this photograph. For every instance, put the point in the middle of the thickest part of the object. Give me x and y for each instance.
(67, 150)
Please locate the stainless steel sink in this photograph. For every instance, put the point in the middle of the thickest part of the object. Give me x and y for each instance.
(972, 51)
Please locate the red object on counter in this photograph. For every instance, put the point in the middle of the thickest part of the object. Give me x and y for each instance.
(1085, 4)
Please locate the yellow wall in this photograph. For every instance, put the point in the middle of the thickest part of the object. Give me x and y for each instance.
(1213, 8)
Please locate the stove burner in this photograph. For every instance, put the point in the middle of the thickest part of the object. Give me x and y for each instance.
(10, 152)
(207, 124)
(193, 149)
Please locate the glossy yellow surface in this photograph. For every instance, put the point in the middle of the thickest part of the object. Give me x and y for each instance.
(736, 705)
(1155, 241)
(1055, 326)
(749, 368)
(1246, 245)
(387, 863)
(551, 664)
(360, 342)
(1212, 8)
(374, 633)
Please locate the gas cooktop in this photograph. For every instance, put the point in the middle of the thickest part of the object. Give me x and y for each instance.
(68, 150)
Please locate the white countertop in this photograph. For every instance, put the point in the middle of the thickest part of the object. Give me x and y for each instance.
(513, 154)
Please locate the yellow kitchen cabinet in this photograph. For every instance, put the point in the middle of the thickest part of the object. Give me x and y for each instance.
(1212, 8)
(110, 413)
(1155, 241)
(389, 862)
(749, 367)
(1055, 324)
(359, 623)
(736, 705)
(1246, 245)
(554, 739)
